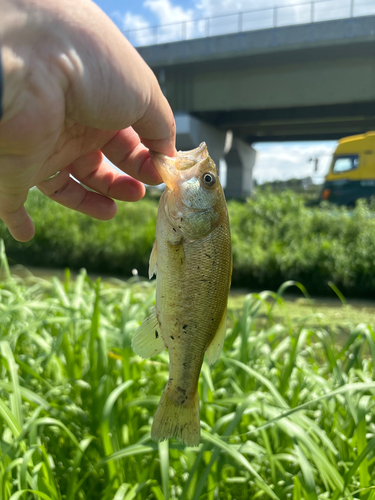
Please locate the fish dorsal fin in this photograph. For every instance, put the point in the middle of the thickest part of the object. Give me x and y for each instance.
(153, 262)
(214, 349)
(147, 339)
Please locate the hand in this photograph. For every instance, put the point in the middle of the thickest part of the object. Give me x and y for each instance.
(74, 89)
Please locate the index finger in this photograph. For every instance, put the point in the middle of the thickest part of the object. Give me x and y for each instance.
(15, 217)
(126, 151)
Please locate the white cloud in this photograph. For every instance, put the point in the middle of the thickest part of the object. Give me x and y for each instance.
(134, 22)
(256, 14)
(214, 7)
(259, 14)
(280, 161)
(136, 27)
(168, 12)
(173, 21)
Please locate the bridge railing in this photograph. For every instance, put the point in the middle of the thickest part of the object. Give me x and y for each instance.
(271, 17)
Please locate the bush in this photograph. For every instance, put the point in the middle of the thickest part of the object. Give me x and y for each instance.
(65, 238)
(275, 238)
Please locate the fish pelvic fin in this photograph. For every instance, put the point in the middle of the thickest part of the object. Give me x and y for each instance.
(176, 419)
(216, 345)
(147, 340)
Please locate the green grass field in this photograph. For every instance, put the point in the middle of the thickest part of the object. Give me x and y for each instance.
(286, 413)
(335, 315)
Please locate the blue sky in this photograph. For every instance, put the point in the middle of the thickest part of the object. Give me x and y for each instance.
(114, 7)
(155, 12)
(274, 160)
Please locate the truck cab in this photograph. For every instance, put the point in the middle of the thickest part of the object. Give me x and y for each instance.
(352, 171)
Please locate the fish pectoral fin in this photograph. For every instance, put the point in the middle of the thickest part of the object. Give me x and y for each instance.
(214, 349)
(147, 340)
(153, 262)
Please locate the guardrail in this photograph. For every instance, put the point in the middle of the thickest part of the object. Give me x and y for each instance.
(272, 17)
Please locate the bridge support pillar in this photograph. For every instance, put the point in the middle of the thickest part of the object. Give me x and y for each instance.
(240, 160)
(191, 132)
(235, 167)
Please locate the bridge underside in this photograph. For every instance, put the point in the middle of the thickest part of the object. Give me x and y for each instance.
(324, 122)
(305, 82)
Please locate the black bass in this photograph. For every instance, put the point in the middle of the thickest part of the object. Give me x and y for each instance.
(193, 262)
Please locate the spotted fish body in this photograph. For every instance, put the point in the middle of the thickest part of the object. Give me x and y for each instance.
(192, 260)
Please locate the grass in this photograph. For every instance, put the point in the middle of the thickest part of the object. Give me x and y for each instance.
(286, 413)
(335, 315)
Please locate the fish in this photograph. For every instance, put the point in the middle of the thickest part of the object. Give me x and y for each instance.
(192, 260)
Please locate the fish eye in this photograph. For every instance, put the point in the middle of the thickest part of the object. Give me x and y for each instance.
(208, 179)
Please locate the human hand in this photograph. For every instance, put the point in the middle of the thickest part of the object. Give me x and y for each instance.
(74, 89)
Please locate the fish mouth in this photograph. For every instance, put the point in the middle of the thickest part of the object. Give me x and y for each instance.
(192, 157)
(169, 167)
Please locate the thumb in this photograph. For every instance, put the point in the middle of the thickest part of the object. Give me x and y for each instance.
(157, 127)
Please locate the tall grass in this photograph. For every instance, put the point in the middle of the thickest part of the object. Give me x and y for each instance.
(285, 412)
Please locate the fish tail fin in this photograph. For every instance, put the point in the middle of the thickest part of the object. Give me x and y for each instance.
(174, 419)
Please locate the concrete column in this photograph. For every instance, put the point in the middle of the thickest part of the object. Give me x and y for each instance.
(191, 132)
(238, 162)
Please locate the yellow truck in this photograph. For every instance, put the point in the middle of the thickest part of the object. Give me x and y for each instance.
(352, 171)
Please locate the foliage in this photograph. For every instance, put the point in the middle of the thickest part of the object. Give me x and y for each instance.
(304, 187)
(275, 237)
(65, 238)
(284, 412)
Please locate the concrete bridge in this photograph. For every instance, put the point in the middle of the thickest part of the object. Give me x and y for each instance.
(310, 81)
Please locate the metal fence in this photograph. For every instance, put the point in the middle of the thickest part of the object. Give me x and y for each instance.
(272, 17)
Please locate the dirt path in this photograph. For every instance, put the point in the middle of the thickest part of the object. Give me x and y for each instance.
(294, 307)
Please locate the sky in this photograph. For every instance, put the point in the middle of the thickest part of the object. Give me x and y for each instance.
(275, 161)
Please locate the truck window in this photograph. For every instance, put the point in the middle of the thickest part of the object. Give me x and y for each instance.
(345, 163)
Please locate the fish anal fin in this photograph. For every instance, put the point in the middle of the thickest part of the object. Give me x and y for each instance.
(153, 262)
(147, 340)
(214, 349)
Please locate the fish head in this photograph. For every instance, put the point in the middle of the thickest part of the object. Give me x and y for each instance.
(194, 196)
